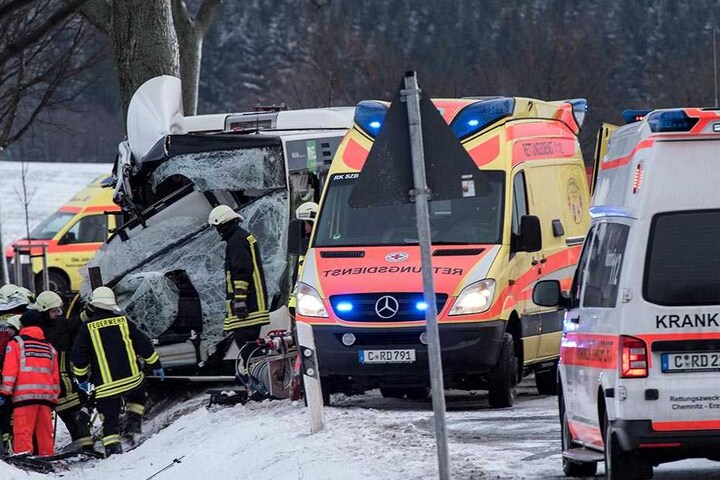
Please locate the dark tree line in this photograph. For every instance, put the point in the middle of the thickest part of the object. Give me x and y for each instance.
(617, 54)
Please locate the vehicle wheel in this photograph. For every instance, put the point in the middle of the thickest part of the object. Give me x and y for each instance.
(392, 392)
(502, 380)
(546, 381)
(622, 465)
(58, 282)
(571, 469)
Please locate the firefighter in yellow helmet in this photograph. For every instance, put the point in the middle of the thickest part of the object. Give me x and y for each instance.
(105, 363)
(61, 332)
(246, 294)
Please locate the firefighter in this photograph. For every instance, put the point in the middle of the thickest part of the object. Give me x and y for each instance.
(14, 300)
(104, 361)
(306, 212)
(246, 300)
(61, 333)
(31, 379)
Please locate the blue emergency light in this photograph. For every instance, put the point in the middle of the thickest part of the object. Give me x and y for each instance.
(344, 307)
(580, 109)
(671, 121)
(421, 306)
(477, 116)
(369, 115)
(632, 116)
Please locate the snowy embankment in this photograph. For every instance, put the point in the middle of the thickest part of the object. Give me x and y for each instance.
(50, 186)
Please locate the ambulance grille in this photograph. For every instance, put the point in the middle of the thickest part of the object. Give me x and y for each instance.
(342, 254)
(457, 252)
(363, 307)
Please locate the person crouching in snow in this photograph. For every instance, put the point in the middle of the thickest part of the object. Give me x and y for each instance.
(31, 379)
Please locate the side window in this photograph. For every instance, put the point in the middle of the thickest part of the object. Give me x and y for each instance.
(89, 229)
(519, 202)
(581, 266)
(604, 266)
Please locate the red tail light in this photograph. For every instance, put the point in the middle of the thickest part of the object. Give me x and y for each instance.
(634, 358)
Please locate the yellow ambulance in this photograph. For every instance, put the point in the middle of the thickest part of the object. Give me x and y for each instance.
(72, 235)
(523, 219)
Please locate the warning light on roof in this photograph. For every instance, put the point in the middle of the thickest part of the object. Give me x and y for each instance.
(369, 116)
(481, 114)
(632, 116)
(671, 121)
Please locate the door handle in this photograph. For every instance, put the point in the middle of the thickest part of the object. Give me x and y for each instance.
(534, 262)
(575, 319)
(543, 260)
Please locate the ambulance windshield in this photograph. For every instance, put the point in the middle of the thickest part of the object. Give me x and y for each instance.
(475, 219)
(51, 226)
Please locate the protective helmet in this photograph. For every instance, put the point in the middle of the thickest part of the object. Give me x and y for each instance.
(47, 301)
(222, 214)
(7, 290)
(25, 294)
(14, 322)
(104, 298)
(307, 211)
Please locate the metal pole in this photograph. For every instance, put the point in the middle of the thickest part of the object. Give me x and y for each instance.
(4, 275)
(18, 268)
(715, 65)
(422, 194)
(45, 272)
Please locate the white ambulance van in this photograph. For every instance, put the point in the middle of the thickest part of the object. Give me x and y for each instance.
(639, 373)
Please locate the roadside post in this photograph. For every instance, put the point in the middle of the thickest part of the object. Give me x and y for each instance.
(416, 158)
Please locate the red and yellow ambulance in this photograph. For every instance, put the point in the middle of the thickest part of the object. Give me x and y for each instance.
(72, 234)
(360, 286)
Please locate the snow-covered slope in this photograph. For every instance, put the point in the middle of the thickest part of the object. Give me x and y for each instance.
(50, 185)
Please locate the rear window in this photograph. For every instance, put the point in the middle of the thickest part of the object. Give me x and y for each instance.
(682, 266)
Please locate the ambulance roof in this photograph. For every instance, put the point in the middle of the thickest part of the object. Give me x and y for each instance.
(93, 195)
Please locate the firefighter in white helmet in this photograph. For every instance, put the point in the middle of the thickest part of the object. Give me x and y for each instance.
(307, 212)
(61, 332)
(246, 300)
(105, 355)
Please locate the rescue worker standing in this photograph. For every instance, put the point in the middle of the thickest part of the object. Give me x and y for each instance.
(106, 350)
(61, 333)
(246, 300)
(31, 379)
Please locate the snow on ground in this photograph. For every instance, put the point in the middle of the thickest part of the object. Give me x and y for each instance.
(52, 183)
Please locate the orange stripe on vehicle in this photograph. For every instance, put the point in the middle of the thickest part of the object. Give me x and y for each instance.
(620, 161)
(684, 426)
(102, 208)
(355, 155)
(486, 152)
(586, 433)
(589, 350)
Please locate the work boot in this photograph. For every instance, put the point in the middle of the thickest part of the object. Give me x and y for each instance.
(133, 423)
(113, 449)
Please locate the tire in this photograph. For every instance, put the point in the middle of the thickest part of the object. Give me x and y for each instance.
(503, 378)
(619, 464)
(570, 468)
(58, 282)
(392, 392)
(546, 381)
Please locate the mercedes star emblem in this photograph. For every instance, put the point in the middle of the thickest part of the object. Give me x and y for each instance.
(386, 307)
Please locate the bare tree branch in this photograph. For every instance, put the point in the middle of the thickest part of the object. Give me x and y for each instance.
(205, 15)
(99, 13)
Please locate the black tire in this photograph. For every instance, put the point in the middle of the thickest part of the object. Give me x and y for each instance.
(619, 464)
(546, 380)
(503, 378)
(570, 468)
(58, 282)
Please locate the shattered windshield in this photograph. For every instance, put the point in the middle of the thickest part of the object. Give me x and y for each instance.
(475, 218)
(51, 226)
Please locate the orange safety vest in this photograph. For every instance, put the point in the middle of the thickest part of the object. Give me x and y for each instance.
(30, 373)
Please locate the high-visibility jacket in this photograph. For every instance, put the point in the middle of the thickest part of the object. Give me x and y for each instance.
(244, 279)
(61, 334)
(30, 372)
(106, 349)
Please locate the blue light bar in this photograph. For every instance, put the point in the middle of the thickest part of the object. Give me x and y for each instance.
(422, 306)
(344, 307)
(632, 116)
(477, 116)
(671, 121)
(370, 115)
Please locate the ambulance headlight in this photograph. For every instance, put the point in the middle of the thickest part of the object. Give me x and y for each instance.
(475, 298)
(309, 303)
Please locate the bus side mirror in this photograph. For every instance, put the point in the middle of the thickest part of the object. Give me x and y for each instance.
(298, 238)
(547, 293)
(530, 236)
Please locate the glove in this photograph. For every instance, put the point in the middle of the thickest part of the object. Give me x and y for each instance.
(84, 387)
(2, 400)
(239, 308)
(159, 373)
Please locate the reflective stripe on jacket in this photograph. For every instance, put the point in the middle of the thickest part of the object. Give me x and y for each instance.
(106, 349)
(30, 371)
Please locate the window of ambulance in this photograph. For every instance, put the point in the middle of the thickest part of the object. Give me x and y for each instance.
(469, 220)
(88, 229)
(604, 265)
(50, 227)
(682, 261)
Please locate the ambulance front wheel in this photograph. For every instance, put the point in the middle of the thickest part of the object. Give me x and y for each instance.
(503, 378)
(619, 464)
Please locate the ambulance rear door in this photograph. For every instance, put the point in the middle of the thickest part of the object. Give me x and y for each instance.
(601, 147)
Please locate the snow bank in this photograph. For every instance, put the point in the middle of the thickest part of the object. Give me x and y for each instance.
(53, 184)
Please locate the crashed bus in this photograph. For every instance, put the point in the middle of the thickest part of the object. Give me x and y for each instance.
(522, 217)
(164, 263)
